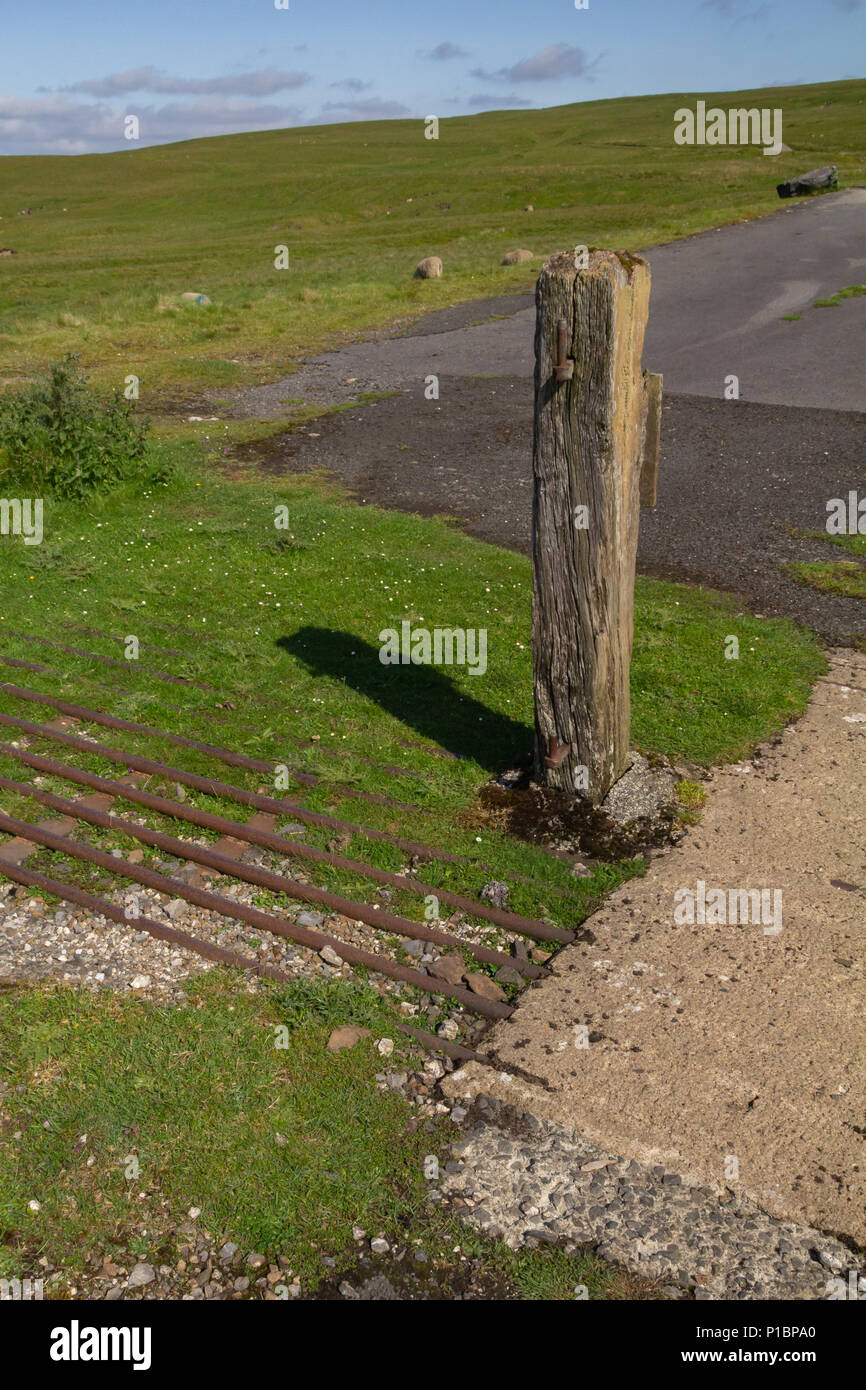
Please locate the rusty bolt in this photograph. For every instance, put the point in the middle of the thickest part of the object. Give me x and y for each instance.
(556, 752)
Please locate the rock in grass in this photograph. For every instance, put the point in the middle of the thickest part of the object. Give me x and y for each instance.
(449, 968)
(495, 893)
(516, 257)
(429, 269)
(507, 975)
(7, 251)
(346, 1037)
(825, 177)
(483, 985)
(329, 955)
(310, 919)
(141, 1274)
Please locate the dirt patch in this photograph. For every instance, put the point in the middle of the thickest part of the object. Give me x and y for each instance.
(545, 816)
(728, 1045)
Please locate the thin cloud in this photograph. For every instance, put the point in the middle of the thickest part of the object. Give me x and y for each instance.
(443, 52)
(371, 109)
(56, 125)
(265, 82)
(353, 84)
(550, 65)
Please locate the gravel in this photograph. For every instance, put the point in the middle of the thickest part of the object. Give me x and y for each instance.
(527, 1180)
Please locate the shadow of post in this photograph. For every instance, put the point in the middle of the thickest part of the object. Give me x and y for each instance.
(419, 696)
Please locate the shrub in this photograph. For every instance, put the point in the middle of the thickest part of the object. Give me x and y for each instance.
(59, 438)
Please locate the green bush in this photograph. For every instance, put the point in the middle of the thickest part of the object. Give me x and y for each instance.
(59, 438)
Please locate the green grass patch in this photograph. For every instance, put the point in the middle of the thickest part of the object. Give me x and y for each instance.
(845, 577)
(691, 797)
(284, 625)
(688, 700)
(850, 292)
(115, 239)
(196, 1095)
(119, 1116)
(855, 545)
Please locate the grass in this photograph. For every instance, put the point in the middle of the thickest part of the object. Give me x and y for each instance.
(275, 643)
(285, 625)
(271, 636)
(845, 577)
(850, 292)
(114, 239)
(856, 545)
(100, 1081)
(691, 797)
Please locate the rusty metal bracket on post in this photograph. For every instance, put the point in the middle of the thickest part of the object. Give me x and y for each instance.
(563, 367)
(556, 752)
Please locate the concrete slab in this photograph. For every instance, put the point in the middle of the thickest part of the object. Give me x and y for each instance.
(727, 1051)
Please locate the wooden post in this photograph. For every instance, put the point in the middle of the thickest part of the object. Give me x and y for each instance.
(595, 461)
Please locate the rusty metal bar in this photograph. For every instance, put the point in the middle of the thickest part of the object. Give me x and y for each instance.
(374, 917)
(316, 941)
(264, 803)
(112, 661)
(434, 1043)
(424, 851)
(267, 839)
(197, 713)
(223, 755)
(212, 787)
(183, 680)
(68, 893)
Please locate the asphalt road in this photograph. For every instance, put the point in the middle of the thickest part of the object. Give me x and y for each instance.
(737, 478)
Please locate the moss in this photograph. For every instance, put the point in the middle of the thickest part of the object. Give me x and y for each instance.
(849, 292)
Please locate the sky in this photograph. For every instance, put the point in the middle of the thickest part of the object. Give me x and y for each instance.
(72, 70)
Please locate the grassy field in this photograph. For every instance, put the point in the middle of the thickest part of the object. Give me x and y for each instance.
(275, 635)
(113, 240)
(271, 637)
(285, 625)
(291, 1148)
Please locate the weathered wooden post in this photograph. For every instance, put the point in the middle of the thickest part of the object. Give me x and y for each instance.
(595, 462)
